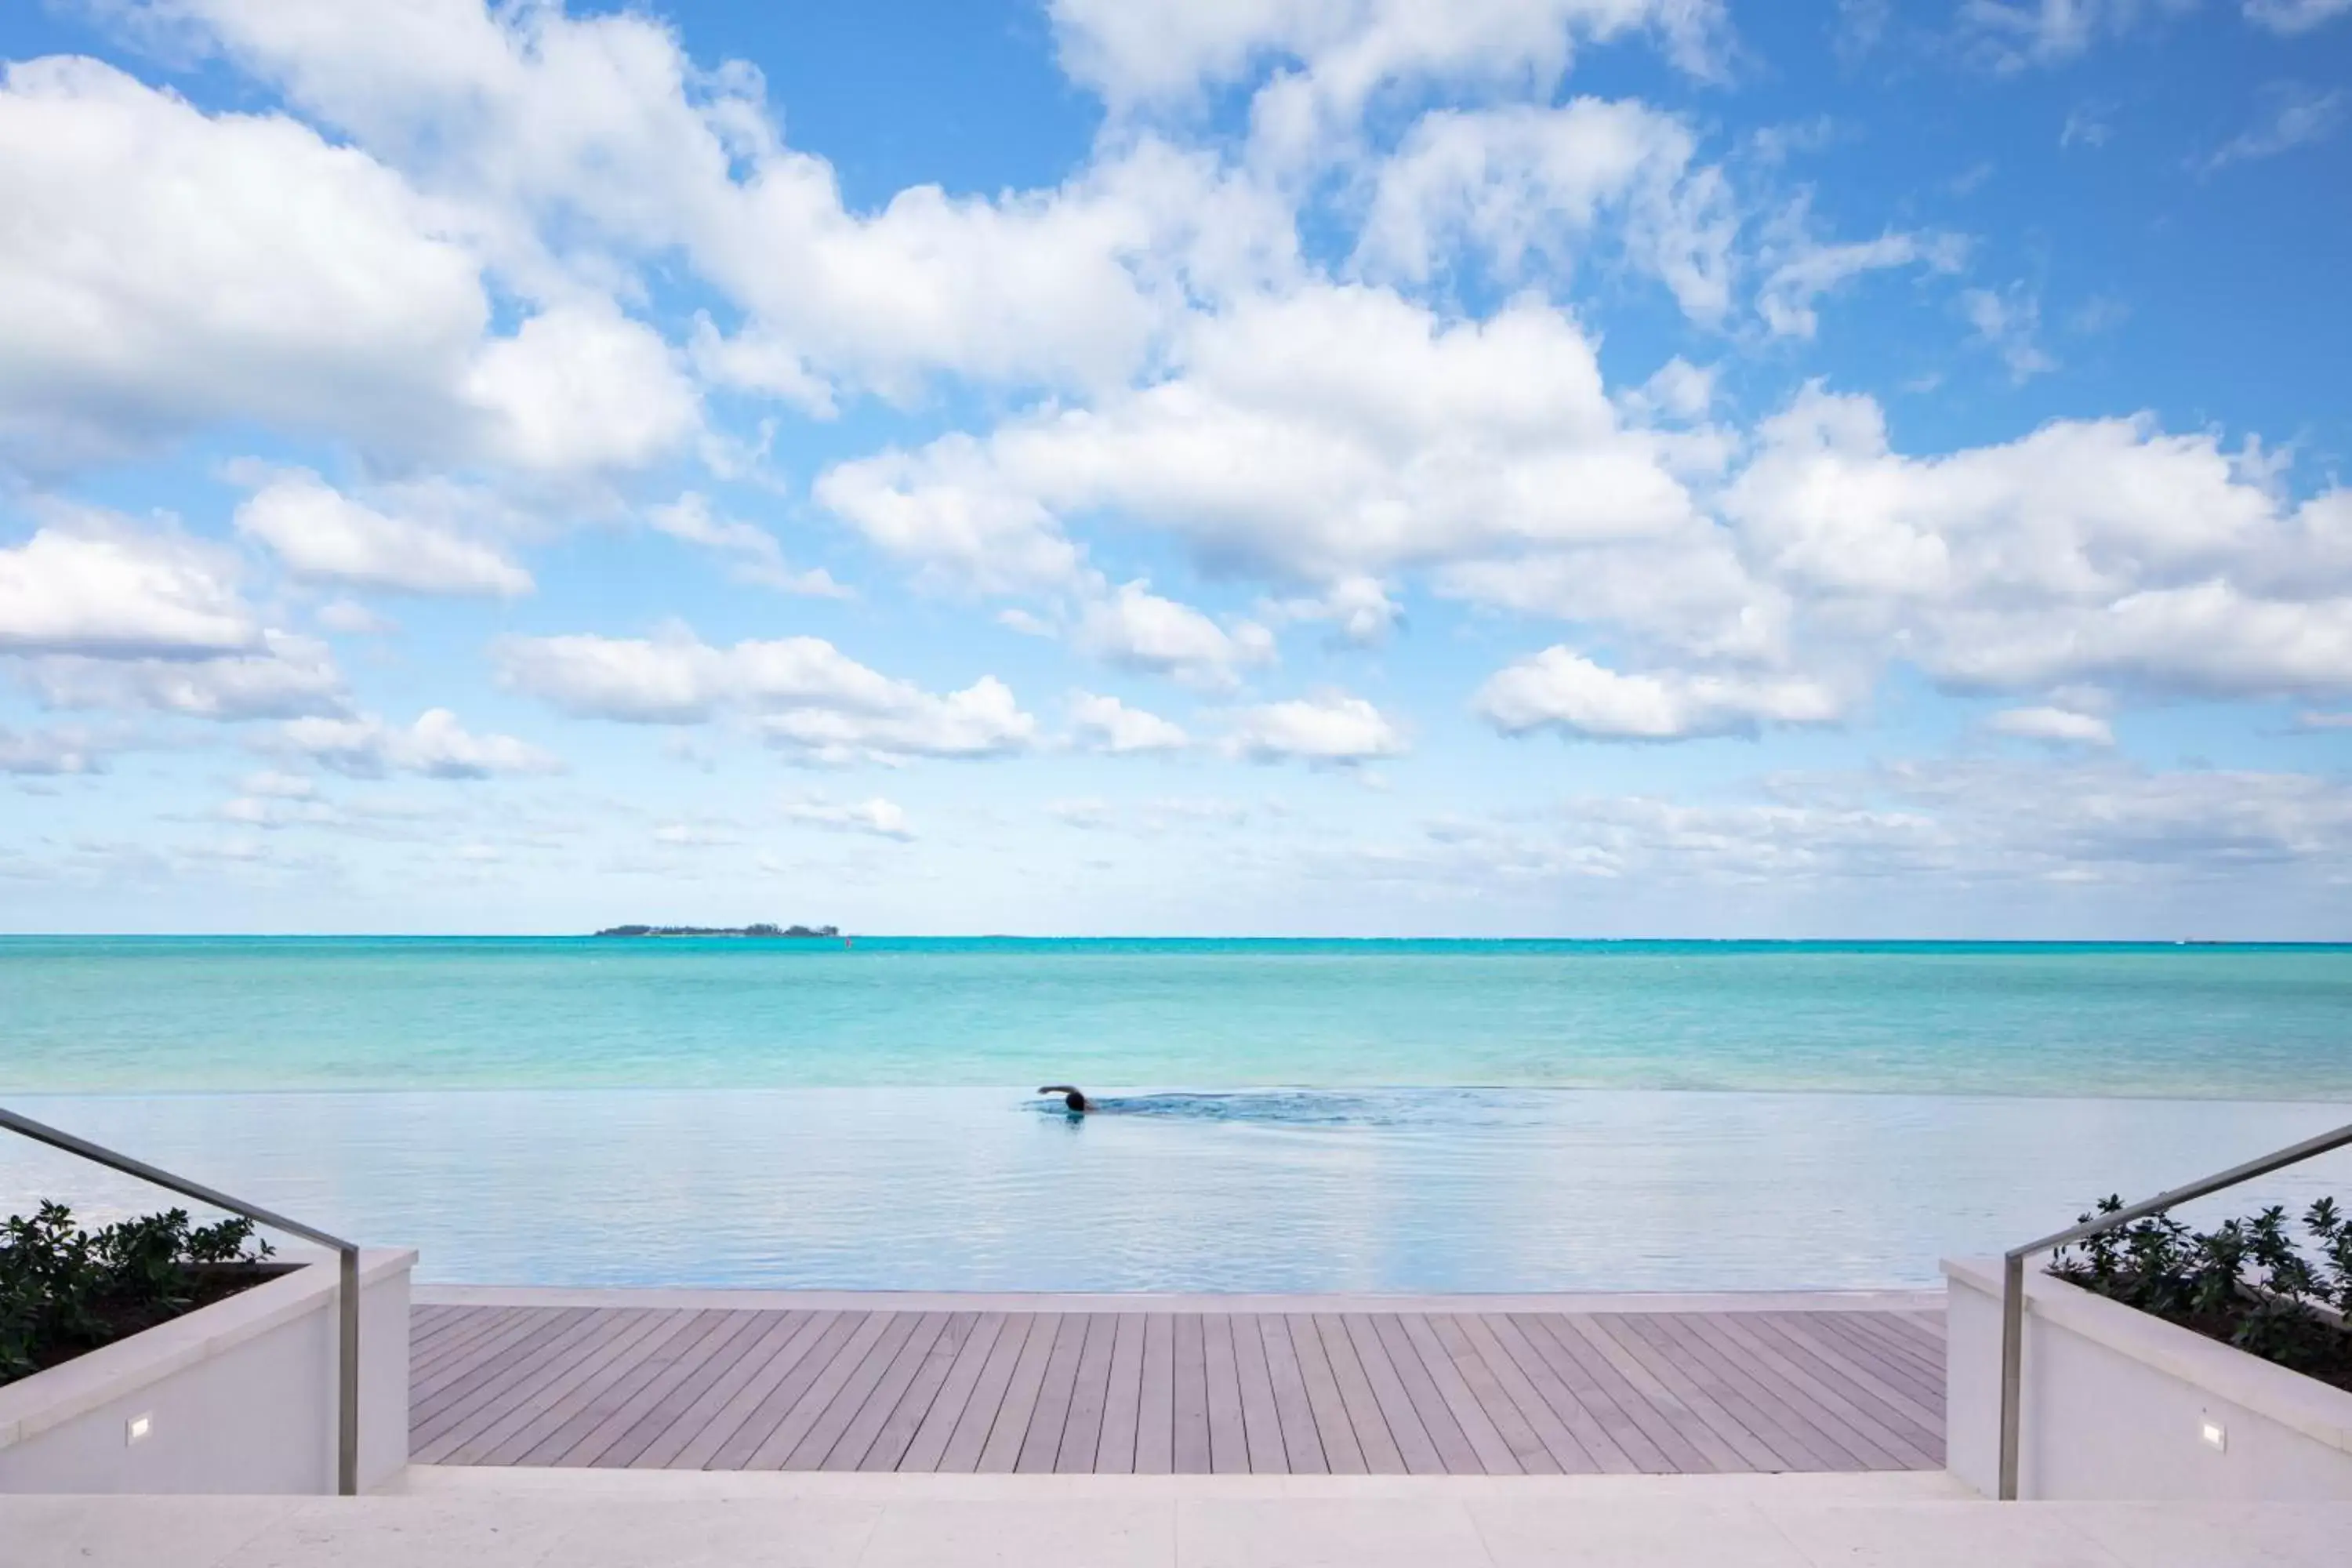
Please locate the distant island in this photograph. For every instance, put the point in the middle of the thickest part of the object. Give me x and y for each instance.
(722, 931)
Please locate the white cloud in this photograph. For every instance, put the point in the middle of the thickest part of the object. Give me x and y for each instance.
(1137, 629)
(2291, 16)
(2012, 34)
(2099, 551)
(1107, 724)
(1132, 50)
(1336, 432)
(2294, 116)
(1802, 270)
(877, 817)
(287, 677)
(601, 127)
(800, 693)
(324, 536)
(94, 587)
(351, 619)
(49, 753)
(2058, 726)
(752, 552)
(1333, 728)
(1358, 608)
(163, 268)
(1558, 688)
(435, 746)
(1533, 184)
(582, 387)
(2008, 324)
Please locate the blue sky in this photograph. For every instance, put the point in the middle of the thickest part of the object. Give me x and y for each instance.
(1577, 466)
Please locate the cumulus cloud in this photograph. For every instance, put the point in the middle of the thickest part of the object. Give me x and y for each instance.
(1336, 432)
(877, 817)
(98, 587)
(1137, 629)
(601, 126)
(163, 268)
(1523, 184)
(1561, 690)
(1331, 730)
(49, 753)
(324, 536)
(752, 552)
(801, 693)
(2098, 550)
(1357, 609)
(287, 677)
(435, 746)
(581, 388)
(1106, 724)
(2058, 726)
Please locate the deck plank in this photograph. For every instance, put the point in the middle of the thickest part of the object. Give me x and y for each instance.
(1228, 1438)
(896, 1432)
(1504, 1361)
(1294, 1413)
(771, 1349)
(1155, 1398)
(978, 1419)
(1495, 1454)
(1495, 1403)
(1416, 1449)
(1006, 1437)
(1335, 1433)
(1080, 1452)
(1368, 1424)
(1122, 1396)
(1042, 1443)
(1261, 1425)
(1189, 1455)
(1119, 1390)
(930, 1441)
(777, 1396)
(875, 1406)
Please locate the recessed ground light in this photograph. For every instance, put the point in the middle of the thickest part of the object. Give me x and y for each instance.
(135, 1429)
(2216, 1438)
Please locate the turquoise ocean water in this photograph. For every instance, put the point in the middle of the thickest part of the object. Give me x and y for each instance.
(1301, 1115)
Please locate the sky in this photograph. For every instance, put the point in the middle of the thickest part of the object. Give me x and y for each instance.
(1355, 467)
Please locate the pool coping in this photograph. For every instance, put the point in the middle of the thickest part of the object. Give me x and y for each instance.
(674, 1298)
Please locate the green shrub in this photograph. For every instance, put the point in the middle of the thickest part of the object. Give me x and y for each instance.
(64, 1290)
(2246, 1281)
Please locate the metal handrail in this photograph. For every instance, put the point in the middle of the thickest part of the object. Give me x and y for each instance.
(347, 1411)
(2012, 1274)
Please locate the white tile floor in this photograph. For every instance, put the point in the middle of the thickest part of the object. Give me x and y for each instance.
(1212, 1522)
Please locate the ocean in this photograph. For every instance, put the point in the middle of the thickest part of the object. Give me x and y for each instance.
(1415, 1116)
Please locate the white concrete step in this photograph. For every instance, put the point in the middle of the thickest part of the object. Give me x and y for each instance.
(592, 1520)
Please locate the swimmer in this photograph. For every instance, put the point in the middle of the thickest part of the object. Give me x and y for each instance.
(1073, 1097)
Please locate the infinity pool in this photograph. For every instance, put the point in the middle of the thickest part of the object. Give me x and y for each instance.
(1406, 1190)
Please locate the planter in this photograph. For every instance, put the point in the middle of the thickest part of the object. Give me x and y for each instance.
(238, 1396)
(2121, 1405)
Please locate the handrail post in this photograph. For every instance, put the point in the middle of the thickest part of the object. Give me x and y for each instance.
(347, 1389)
(2012, 1366)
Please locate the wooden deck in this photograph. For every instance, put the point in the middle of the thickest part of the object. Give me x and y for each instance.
(1140, 1391)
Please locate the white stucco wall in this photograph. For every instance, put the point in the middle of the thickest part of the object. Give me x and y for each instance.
(2115, 1403)
(239, 1397)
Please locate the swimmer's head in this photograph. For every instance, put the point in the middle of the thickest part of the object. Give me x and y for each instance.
(1071, 1095)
